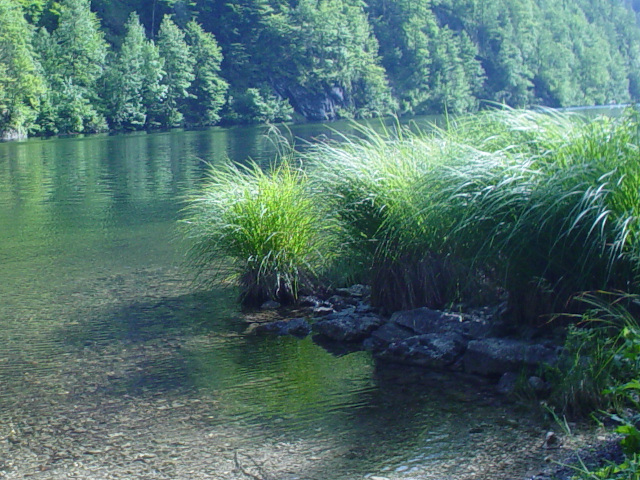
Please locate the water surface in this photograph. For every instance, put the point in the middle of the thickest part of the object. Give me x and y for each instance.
(114, 365)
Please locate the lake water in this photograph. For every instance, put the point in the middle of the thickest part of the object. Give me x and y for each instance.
(114, 365)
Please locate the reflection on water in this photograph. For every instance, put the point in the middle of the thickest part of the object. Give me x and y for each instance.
(113, 365)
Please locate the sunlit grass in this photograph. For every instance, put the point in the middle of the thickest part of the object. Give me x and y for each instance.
(544, 204)
(541, 205)
(264, 228)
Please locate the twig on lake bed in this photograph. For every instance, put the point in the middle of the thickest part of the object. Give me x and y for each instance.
(262, 474)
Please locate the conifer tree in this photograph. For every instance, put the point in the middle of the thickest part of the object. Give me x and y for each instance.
(132, 84)
(178, 67)
(208, 89)
(82, 46)
(21, 86)
(73, 59)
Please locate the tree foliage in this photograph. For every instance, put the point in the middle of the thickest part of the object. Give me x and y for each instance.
(179, 72)
(21, 84)
(199, 62)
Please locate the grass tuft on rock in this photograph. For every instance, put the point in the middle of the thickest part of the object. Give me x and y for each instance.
(264, 229)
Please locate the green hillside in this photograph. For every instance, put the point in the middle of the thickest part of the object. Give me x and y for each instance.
(76, 66)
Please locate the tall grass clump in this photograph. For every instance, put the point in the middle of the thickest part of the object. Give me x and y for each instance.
(371, 182)
(543, 205)
(601, 356)
(552, 216)
(265, 229)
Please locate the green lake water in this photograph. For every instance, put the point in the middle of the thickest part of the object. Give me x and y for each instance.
(113, 365)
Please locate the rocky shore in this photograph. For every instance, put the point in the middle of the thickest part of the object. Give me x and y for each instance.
(472, 342)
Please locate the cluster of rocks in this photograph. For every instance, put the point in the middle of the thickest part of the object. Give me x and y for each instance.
(465, 342)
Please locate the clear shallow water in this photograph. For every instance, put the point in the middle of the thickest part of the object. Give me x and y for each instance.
(113, 365)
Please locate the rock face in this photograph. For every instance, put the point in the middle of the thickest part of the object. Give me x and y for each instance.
(9, 135)
(318, 105)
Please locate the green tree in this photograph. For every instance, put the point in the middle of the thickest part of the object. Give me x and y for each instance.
(21, 86)
(432, 68)
(179, 67)
(132, 84)
(208, 89)
(73, 58)
(82, 47)
(322, 55)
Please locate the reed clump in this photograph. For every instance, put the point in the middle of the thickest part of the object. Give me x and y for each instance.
(541, 205)
(263, 228)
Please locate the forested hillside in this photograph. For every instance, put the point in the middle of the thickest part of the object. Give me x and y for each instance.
(80, 66)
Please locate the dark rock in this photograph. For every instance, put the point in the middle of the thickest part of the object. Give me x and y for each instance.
(314, 104)
(385, 335)
(270, 305)
(425, 320)
(363, 307)
(309, 301)
(507, 383)
(340, 303)
(435, 350)
(347, 326)
(298, 327)
(495, 356)
(538, 385)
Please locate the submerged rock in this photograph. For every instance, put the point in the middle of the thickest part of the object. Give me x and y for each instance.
(298, 327)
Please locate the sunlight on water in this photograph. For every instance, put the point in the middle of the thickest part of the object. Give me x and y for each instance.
(113, 365)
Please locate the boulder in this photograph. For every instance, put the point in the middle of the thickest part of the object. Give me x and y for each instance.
(298, 327)
(507, 383)
(495, 356)
(434, 350)
(385, 335)
(347, 326)
(425, 320)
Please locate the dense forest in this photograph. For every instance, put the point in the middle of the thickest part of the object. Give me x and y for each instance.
(78, 66)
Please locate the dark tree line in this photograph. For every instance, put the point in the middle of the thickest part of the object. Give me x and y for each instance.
(75, 66)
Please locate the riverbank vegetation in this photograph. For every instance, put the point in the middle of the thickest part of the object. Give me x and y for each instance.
(539, 205)
(78, 66)
(538, 208)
